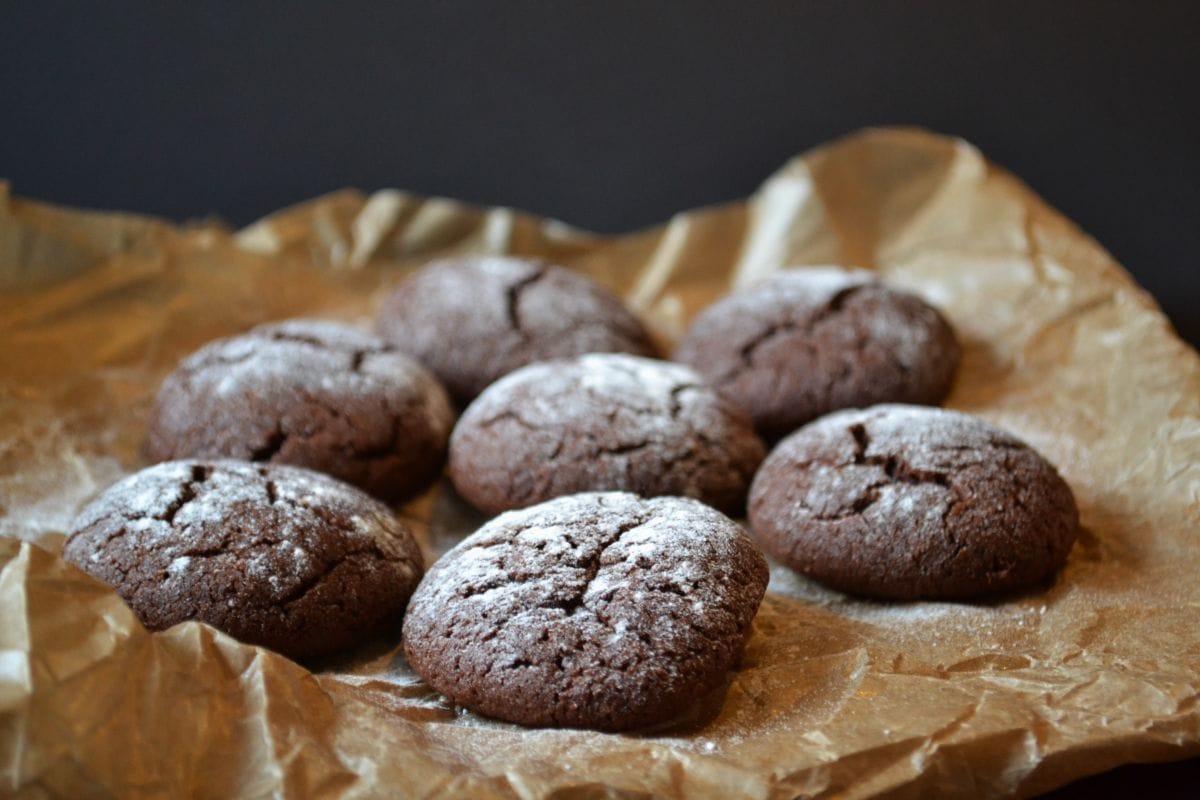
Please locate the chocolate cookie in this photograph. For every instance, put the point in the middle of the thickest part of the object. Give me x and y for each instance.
(315, 394)
(906, 502)
(812, 341)
(273, 555)
(602, 422)
(597, 610)
(471, 320)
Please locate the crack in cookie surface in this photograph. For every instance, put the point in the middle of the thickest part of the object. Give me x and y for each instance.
(602, 422)
(259, 551)
(907, 502)
(597, 610)
(472, 320)
(311, 393)
(812, 341)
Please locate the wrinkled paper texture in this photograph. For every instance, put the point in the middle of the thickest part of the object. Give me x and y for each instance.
(835, 696)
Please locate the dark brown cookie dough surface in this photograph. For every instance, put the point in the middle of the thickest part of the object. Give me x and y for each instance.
(599, 610)
(906, 502)
(273, 555)
(316, 394)
(472, 320)
(602, 422)
(812, 341)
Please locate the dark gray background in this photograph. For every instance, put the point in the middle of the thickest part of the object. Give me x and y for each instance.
(611, 115)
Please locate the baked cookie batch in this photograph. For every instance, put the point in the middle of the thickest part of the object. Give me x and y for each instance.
(612, 591)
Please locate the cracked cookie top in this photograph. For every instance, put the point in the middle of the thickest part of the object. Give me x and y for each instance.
(599, 610)
(906, 502)
(273, 555)
(316, 394)
(602, 422)
(811, 341)
(472, 320)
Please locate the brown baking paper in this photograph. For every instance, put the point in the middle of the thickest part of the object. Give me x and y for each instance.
(835, 696)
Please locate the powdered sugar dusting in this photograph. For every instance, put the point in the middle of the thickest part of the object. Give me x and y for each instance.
(611, 422)
(572, 389)
(813, 286)
(913, 502)
(619, 376)
(474, 319)
(807, 342)
(269, 518)
(504, 268)
(637, 587)
(307, 358)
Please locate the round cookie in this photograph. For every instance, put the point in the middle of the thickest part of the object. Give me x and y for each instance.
(907, 502)
(599, 610)
(602, 422)
(316, 394)
(472, 320)
(273, 555)
(811, 341)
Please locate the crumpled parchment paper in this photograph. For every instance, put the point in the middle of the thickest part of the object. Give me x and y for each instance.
(836, 696)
